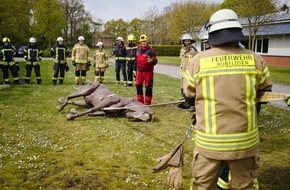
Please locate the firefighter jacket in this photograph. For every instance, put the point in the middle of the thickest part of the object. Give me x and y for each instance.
(32, 55)
(6, 55)
(145, 59)
(80, 53)
(131, 52)
(100, 59)
(120, 53)
(59, 53)
(225, 81)
(186, 53)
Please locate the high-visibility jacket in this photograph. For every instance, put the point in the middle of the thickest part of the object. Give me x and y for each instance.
(143, 55)
(120, 53)
(225, 81)
(186, 53)
(100, 59)
(59, 53)
(6, 55)
(32, 55)
(80, 53)
(131, 52)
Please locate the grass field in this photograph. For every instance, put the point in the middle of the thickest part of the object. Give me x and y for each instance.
(40, 149)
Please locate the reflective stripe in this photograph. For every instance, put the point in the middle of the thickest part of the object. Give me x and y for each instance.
(223, 184)
(130, 58)
(250, 101)
(120, 58)
(227, 142)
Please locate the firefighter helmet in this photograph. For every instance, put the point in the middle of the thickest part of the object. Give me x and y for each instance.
(187, 36)
(131, 37)
(224, 28)
(120, 39)
(6, 40)
(81, 38)
(143, 38)
(223, 19)
(59, 39)
(32, 40)
(100, 44)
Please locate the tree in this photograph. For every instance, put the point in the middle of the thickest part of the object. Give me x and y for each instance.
(255, 12)
(149, 24)
(75, 15)
(188, 16)
(49, 20)
(115, 28)
(14, 20)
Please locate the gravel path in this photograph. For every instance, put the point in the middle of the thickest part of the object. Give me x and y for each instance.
(173, 71)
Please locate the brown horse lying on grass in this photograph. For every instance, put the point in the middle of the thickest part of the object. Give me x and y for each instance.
(101, 101)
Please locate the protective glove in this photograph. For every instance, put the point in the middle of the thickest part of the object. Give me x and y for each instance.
(66, 68)
(149, 59)
(174, 179)
(287, 100)
(74, 63)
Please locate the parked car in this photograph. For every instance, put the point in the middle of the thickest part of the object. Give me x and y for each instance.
(20, 51)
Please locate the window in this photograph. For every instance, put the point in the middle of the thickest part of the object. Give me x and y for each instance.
(262, 45)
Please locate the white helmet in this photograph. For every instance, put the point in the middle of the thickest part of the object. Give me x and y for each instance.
(223, 19)
(100, 44)
(81, 38)
(186, 36)
(59, 39)
(203, 33)
(120, 39)
(32, 40)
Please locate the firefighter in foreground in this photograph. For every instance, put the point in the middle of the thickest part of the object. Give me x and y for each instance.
(225, 82)
(120, 60)
(7, 62)
(145, 61)
(81, 60)
(131, 61)
(186, 53)
(100, 62)
(32, 55)
(59, 52)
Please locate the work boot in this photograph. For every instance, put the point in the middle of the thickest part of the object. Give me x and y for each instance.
(60, 81)
(27, 81)
(140, 98)
(148, 100)
(16, 81)
(38, 81)
(53, 82)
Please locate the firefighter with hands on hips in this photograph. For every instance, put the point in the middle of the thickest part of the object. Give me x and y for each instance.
(59, 52)
(145, 61)
(100, 62)
(32, 55)
(81, 60)
(131, 61)
(186, 53)
(120, 60)
(7, 62)
(224, 81)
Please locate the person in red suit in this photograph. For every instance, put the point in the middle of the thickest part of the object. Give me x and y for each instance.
(145, 61)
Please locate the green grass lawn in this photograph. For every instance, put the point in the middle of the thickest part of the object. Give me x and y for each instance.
(40, 149)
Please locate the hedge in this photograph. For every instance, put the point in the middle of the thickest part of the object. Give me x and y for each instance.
(167, 50)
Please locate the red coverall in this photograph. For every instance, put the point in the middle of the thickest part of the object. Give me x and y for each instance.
(145, 61)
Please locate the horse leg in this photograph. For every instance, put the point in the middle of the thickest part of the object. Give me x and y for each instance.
(88, 89)
(109, 100)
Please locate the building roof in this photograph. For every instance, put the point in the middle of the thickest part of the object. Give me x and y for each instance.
(278, 25)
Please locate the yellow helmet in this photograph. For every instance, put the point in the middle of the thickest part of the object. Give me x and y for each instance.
(143, 38)
(6, 40)
(131, 37)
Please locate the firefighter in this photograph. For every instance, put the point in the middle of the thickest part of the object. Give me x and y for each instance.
(186, 53)
(81, 60)
(131, 54)
(225, 81)
(59, 52)
(32, 55)
(145, 61)
(120, 60)
(100, 62)
(7, 62)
